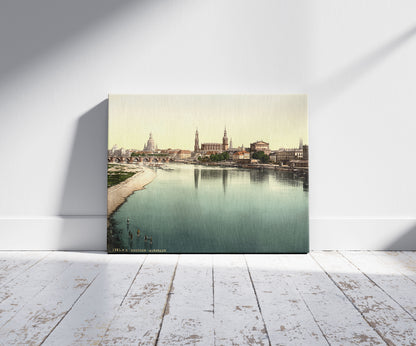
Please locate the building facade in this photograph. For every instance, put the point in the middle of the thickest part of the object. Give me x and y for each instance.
(303, 164)
(305, 152)
(285, 155)
(184, 154)
(260, 146)
(241, 155)
(212, 147)
(119, 152)
(215, 147)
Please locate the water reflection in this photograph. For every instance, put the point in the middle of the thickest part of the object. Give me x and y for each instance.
(292, 179)
(288, 178)
(196, 177)
(259, 176)
(306, 184)
(211, 175)
(224, 179)
(256, 176)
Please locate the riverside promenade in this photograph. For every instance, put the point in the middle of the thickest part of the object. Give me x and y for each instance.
(118, 194)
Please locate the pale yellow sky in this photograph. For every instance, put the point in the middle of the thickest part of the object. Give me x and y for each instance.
(278, 119)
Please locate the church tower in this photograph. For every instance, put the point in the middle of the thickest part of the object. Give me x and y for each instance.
(225, 141)
(300, 143)
(196, 147)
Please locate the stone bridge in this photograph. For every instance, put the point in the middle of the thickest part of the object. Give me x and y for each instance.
(137, 159)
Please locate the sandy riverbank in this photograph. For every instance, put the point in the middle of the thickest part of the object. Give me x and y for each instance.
(118, 194)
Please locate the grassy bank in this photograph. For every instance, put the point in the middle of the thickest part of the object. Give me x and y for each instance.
(114, 178)
(117, 173)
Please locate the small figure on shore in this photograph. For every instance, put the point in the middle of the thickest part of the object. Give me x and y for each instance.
(148, 238)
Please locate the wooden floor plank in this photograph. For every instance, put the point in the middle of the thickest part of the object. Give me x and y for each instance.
(35, 320)
(139, 317)
(16, 293)
(238, 320)
(79, 299)
(14, 263)
(287, 317)
(338, 319)
(89, 319)
(386, 276)
(403, 262)
(391, 322)
(411, 255)
(189, 316)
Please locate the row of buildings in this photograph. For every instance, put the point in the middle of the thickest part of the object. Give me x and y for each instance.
(211, 147)
(282, 156)
(119, 152)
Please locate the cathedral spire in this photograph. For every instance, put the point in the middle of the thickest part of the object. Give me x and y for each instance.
(225, 140)
(196, 147)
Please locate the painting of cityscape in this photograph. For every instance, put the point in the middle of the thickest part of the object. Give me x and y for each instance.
(208, 174)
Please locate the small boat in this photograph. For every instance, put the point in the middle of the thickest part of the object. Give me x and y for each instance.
(165, 168)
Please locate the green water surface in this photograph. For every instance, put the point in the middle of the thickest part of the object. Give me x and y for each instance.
(200, 209)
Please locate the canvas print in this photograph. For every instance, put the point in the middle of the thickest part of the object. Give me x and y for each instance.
(208, 174)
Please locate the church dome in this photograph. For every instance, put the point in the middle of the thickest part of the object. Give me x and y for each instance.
(151, 146)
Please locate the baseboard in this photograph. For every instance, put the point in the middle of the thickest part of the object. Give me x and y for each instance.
(54, 233)
(89, 233)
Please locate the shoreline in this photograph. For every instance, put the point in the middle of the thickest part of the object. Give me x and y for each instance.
(228, 164)
(117, 194)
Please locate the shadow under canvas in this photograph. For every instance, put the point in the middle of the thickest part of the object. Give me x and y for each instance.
(84, 198)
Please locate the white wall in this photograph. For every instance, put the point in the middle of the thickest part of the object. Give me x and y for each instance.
(355, 59)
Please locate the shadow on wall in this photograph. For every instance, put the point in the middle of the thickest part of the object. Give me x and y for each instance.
(327, 90)
(25, 27)
(84, 199)
(406, 242)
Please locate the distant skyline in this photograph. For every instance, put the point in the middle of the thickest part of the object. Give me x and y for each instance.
(280, 120)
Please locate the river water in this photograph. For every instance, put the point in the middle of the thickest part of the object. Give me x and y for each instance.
(200, 209)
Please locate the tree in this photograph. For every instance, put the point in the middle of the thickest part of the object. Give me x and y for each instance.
(260, 155)
(219, 157)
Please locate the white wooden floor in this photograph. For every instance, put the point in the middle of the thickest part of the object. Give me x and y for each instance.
(337, 298)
